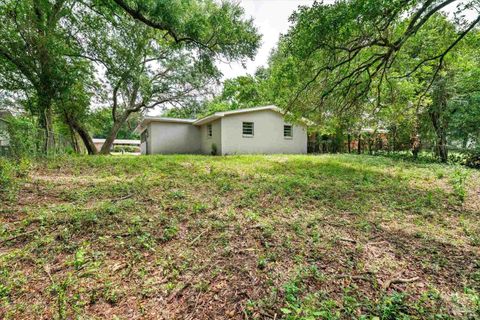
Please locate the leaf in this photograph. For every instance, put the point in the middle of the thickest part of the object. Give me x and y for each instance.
(286, 310)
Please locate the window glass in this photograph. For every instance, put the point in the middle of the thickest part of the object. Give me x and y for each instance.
(209, 130)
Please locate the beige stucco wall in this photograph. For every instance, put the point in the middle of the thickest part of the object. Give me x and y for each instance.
(169, 137)
(206, 142)
(268, 134)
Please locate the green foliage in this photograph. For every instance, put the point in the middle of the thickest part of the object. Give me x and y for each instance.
(214, 151)
(130, 149)
(100, 124)
(207, 25)
(393, 307)
(337, 67)
(11, 173)
(152, 54)
(23, 138)
(473, 159)
(79, 260)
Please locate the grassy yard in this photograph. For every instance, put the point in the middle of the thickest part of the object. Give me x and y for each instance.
(241, 237)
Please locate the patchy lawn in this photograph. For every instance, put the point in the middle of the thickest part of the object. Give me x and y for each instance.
(241, 237)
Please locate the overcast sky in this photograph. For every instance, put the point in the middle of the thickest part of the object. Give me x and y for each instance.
(271, 19)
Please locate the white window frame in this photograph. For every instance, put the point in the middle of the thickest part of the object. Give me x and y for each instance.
(209, 131)
(247, 135)
(291, 131)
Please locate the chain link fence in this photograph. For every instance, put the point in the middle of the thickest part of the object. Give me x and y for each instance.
(24, 140)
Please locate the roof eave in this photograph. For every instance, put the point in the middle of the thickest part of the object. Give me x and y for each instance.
(208, 119)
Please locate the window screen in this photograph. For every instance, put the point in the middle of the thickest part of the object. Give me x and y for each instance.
(287, 131)
(247, 128)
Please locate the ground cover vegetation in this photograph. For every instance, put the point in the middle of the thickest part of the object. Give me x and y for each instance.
(243, 237)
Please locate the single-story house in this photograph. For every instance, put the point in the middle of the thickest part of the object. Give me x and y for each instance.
(260, 130)
(118, 144)
(4, 140)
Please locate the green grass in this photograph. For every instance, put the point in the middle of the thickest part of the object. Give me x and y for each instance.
(246, 237)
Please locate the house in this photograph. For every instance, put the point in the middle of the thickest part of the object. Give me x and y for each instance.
(260, 130)
(4, 141)
(126, 145)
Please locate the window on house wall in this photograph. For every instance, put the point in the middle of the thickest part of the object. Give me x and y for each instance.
(287, 131)
(247, 129)
(209, 130)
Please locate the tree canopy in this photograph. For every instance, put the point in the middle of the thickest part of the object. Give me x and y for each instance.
(55, 53)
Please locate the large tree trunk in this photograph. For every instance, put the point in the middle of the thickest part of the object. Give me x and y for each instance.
(415, 141)
(441, 135)
(370, 142)
(86, 138)
(117, 125)
(46, 123)
(359, 144)
(394, 138)
(437, 115)
(349, 141)
(82, 132)
(73, 137)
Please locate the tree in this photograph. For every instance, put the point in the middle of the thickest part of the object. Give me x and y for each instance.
(33, 43)
(100, 124)
(337, 66)
(213, 28)
(41, 42)
(147, 68)
(350, 46)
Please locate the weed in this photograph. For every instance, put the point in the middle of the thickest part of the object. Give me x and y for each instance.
(265, 233)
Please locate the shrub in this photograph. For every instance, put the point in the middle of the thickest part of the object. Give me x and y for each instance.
(473, 159)
(214, 151)
(24, 138)
(7, 177)
(10, 174)
(125, 149)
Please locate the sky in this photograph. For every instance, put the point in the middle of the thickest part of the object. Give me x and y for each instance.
(271, 19)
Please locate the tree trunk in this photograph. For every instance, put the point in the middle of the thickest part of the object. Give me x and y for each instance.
(436, 115)
(394, 139)
(370, 141)
(415, 142)
(442, 147)
(117, 124)
(82, 132)
(46, 123)
(86, 138)
(74, 141)
(359, 144)
(349, 141)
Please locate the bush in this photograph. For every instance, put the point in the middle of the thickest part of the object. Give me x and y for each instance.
(125, 149)
(23, 138)
(214, 151)
(473, 159)
(10, 174)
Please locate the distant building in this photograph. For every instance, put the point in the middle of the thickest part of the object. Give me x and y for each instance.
(126, 145)
(4, 141)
